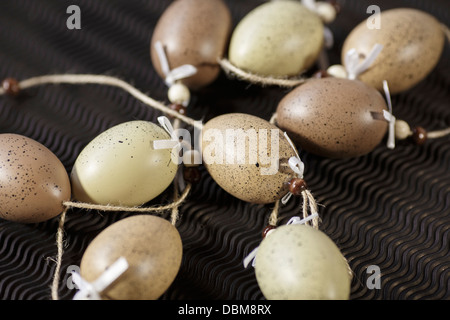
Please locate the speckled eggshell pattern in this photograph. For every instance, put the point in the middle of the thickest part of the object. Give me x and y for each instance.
(153, 249)
(121, 167)
(298, 262)
(278, 38)
(334, 117)
(33, 181)
(413, 42)
(247, 180)
(193, 32)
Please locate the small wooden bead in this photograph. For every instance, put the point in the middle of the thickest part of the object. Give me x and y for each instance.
(192, 174)
(178, 108)
(337, 71)
(297, 186)
(11, 87)
(402, 130)
(326, 11)
(321, 74)
(419, 135)
(267, 230)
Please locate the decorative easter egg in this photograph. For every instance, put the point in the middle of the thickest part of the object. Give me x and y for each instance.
(121, 167)
(278, 38)
(247, 156)
(298, 262)
(334, 117)
(412, 45)
(33, 181)
(153, 249)
(193, 32)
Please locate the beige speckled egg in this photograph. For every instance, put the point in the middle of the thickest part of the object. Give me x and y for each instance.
(247, 156)
(193, 32)
(413, 42)
(278, 38)
(153, 250)
(298, 262)
(334, 117)
(121, 167)
(33, 181)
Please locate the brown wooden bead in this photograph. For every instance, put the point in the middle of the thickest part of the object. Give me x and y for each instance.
(178, 108)
(297, 186)
(267, 230)
(419, 135)
(11, 87)
(192, 174)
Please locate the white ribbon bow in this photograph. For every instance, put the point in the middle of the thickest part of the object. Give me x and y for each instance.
(389, 117)
(174, 142)
(92, 290)
(296, 164)
(354, 67)
(294, 220)
(176, 74)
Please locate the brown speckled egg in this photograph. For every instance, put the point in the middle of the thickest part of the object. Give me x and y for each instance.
(298, 262)
(247, 156)
(413, 42)
(334, 117)
(33, 181)
(193, 32)
(153, 249)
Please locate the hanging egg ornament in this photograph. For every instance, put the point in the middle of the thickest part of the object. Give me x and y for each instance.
(412, 42)
(298, 262)
(152, 248)
(33, 181)
(193, 32)
(121, 167)
(278, 39)
(334, 117)
(247, 156)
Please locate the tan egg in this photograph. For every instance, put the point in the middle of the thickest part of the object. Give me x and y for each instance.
(153, 249)
(121, 167)
(247, 156)
(333, 117)
(33, 181)
(412, 46)
(298, 262)
(193, 32)
(278, 38)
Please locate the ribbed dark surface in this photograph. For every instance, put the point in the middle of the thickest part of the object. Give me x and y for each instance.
(390, 208)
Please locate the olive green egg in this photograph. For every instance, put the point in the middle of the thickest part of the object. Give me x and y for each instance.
(412, 41)
(247, 156)
(152, 248)
(298, 262)
(121, 167)
(277, 38)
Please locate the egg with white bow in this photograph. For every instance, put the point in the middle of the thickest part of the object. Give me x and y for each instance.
(248, 157)
(334, 117)
(121, 166)
(299, 262)
(412, 41)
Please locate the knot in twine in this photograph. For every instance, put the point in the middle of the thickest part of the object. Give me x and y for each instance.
(92, 290)
(353, 67)
(296, 164)
(172, 75)
(251, 257)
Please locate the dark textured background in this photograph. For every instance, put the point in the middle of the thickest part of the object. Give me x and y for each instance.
(390, 208)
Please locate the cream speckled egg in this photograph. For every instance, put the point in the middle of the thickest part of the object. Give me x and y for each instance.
(247, 156)
(153, 249)
(298, 262)
(334, 117)
(278, 38)
(413, 42)
(121, 167)
(33, 181)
